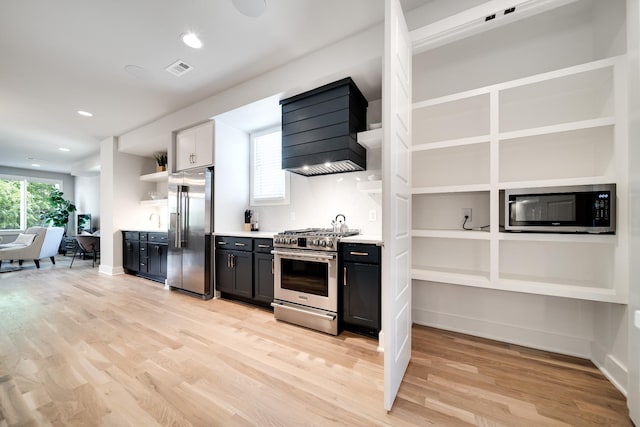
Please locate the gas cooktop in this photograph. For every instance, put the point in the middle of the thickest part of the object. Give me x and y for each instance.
(324, 239)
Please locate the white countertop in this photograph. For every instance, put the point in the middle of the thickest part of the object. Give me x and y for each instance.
(360, 238)
(363, 238)
(255, 234)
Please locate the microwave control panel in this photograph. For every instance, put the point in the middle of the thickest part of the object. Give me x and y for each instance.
(601, 209)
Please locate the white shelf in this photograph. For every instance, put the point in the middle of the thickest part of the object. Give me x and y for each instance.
(371, 139)
(596, 180)
(457, 277)
(451, 143)
(155, 177)
(370, 186)
(586, 291)
(552, 237)
(154, 202)
(452, 234)
(481, 280)
(562, 127)
(451, 189)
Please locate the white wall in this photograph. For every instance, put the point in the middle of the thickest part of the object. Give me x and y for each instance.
(566, 36)
(231, 178)
(87, 200)
(120, 194)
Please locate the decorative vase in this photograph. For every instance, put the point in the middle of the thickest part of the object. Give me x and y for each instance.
(161, 168)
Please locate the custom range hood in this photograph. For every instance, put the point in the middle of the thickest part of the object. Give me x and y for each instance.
(319, 130)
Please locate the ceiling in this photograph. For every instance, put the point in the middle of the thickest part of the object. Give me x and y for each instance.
(68, 55)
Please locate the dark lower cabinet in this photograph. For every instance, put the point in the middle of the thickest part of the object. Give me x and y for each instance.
(263, 271)
(145, 254)
(233, 273)
(157, 259)
(131, 253)
(360, 284)
(244, 269)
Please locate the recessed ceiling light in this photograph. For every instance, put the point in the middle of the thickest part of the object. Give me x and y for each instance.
(85, 113)
(191, 40)
(250, 8)
(35, 165)
(64, 149)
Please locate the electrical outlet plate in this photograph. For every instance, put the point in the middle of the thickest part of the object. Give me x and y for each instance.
(466, 212)
(373, 215)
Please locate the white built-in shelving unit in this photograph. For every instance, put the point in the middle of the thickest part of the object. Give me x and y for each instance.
(565, 127)
(159, 178)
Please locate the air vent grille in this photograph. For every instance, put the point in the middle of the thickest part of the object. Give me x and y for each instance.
(179, 68)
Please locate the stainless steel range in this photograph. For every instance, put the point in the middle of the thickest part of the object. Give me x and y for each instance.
(306, 277)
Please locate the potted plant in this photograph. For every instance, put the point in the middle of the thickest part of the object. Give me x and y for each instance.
(59, 210)
(161, 161)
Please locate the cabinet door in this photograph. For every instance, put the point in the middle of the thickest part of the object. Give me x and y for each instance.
(132, 255)
(157, 256)
(185, 149)
(361, 291)
(224, 271)
(263, 277)
(243, 271)
(203, 145)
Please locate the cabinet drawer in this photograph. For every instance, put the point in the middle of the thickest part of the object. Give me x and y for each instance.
(158, 237)
(263, 245)
(131, 235)
(357, 252)
(234, 243)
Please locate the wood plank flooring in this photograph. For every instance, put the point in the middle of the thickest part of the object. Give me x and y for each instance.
(81, 348)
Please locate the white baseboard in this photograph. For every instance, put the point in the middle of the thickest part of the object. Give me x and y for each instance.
(611, 368)
(109, 270)
(538, 339)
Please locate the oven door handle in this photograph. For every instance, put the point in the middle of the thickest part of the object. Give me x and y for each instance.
(303, 256)
(288, 307)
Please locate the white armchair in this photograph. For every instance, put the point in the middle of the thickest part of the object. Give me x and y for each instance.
(45, 244)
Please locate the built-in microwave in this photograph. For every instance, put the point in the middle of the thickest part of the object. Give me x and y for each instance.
(569, 209)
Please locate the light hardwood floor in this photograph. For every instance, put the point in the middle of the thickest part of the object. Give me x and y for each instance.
(81, 348)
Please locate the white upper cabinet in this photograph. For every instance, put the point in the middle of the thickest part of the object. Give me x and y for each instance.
(194, 147)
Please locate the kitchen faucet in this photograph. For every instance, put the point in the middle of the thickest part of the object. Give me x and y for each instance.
(155, 214)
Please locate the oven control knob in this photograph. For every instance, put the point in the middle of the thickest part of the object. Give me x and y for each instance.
(330, 244)
(323, 243)
(294, 241)
(287, 240)
(314, 242)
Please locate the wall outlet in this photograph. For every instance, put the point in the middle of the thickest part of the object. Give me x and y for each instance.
(373, 215)
(466, 212)
(292, 216)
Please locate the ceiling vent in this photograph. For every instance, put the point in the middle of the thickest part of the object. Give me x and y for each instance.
(179, 68)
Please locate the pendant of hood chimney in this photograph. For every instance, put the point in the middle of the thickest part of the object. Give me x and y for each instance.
(319, 130)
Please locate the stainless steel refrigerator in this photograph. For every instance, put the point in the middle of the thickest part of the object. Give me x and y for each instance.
(190, 196)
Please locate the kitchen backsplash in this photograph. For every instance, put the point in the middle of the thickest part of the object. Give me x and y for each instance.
(315, 201)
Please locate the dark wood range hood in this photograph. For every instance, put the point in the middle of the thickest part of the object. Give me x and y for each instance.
(319, 130)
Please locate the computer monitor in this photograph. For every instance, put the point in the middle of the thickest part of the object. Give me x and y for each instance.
(84, 223)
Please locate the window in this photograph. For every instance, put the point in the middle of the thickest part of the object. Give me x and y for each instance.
(269, 183)
(22, 200)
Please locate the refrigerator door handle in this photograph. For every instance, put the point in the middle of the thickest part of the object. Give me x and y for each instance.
(185, 217)
(178, 239)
